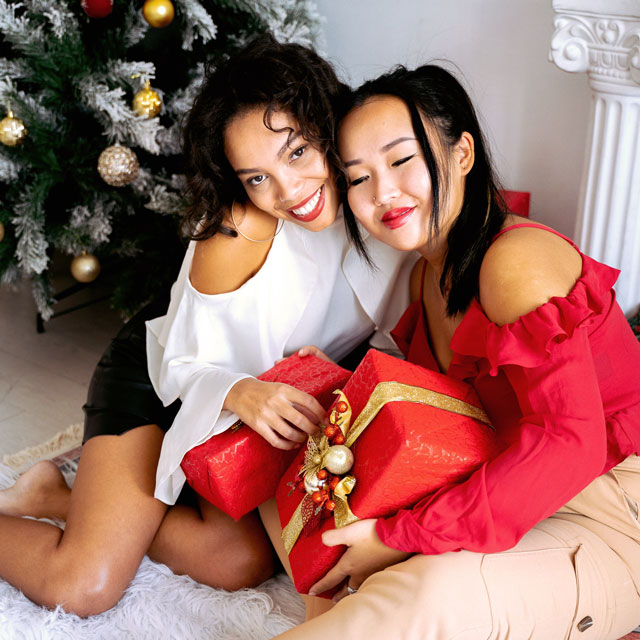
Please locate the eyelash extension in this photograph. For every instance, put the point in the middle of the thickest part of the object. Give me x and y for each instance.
(357, 181)
(397, 163)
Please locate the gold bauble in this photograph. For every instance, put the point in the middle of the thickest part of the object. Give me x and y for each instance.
(85, 267)
(147, 102)
(1, 232)
(338, 459)
(312, 483)
(12, 130)
(118, 165)
(158, 13)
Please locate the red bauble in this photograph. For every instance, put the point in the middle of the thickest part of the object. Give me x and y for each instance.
(338, 439)
(330, 431)
(97, 8)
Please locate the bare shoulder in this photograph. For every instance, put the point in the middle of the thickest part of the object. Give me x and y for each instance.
(415, 280)
(224, 263)
(523, 269)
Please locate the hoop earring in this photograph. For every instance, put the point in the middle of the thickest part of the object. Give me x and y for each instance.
(278, 229)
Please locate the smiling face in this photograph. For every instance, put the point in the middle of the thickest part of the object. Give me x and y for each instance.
(389, 185)
(282, 173)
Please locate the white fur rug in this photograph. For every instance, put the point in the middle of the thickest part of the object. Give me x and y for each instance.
(158, 604)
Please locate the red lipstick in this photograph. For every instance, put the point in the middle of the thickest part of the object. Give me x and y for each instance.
(395, 218)
(315, 212)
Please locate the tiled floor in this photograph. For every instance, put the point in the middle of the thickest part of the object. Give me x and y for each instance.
(44, 377)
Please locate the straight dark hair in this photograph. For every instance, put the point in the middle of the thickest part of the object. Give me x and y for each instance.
(265, 73)
(433, 95)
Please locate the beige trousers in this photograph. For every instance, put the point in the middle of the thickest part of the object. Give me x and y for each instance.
(576, 575)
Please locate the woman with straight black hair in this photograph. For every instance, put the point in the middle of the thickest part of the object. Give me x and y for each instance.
(543, 540)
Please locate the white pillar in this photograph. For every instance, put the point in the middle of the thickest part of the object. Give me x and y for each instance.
(602, 38)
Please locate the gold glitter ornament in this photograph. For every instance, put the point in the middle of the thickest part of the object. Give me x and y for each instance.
(12, 130)
(118, 165)
(1, 232)
(147, 102)
(312, 483)
(85, 267)
(158, 13)
(338, 459)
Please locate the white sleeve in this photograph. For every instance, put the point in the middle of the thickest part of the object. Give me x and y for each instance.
(202, 347)
(395, 306)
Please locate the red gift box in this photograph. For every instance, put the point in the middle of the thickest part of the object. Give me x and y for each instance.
(411, 431)
(517, 201)
(237, 470)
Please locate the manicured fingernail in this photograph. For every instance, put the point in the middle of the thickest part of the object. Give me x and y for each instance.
(312, 593)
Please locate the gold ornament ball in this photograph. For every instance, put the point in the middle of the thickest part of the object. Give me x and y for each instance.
(1, 232)
(12, 130)
(158, 13)
(312, 483)
(85, 267)
(147, 103)
(118, 165)
(338, 459)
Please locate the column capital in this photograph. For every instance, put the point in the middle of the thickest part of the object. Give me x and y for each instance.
(600, 37)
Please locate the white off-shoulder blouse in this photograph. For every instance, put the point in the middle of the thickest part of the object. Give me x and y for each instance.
(313, 288)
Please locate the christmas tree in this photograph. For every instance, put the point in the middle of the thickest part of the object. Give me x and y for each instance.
(87, 164)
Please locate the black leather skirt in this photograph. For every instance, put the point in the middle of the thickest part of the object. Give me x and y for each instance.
(121, 396)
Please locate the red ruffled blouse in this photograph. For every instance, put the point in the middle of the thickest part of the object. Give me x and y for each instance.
(560, 385)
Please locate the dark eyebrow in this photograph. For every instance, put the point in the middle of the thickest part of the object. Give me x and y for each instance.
(383, 149)
(290, 139)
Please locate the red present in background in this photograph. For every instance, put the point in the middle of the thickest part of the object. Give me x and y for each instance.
(238, 470)
(409, 436)
(517, 201)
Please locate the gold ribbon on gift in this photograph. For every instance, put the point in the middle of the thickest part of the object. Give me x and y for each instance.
(383, 393)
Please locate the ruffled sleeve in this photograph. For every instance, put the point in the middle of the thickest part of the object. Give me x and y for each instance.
(561, 439)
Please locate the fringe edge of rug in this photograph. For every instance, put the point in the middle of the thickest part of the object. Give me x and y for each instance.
(60, 443)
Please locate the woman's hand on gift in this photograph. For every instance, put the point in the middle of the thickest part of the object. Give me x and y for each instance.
(283, 415)
(365, 556)
(312, 350)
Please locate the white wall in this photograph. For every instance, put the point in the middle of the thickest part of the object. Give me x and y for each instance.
(535, 115)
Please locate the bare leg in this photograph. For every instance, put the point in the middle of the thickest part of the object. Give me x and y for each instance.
(238, 554)
(111, 521)
(209, 546)
(269, 514)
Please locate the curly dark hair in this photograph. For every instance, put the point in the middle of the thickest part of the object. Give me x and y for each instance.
(435, 95)
(282, 77)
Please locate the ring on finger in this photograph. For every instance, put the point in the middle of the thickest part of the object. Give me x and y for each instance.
(351, 590)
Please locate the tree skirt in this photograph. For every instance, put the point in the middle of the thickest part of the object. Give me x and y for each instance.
(157, 604)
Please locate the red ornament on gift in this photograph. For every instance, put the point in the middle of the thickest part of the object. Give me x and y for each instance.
(238, 470)
(97, 8)
(411, 432)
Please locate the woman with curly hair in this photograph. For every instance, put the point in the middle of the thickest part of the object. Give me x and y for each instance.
(257, 283)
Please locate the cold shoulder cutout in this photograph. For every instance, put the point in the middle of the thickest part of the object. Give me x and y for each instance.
(524, 269)
(529, 339)
(312, 288)
(559, 385)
